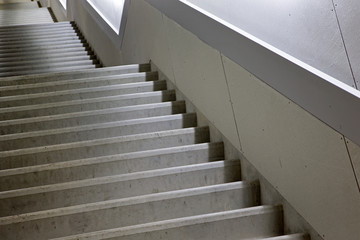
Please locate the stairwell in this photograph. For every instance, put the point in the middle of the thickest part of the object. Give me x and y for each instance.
(110, 153)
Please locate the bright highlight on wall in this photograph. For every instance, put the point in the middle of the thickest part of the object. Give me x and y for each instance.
(110, 10)
(63, 3)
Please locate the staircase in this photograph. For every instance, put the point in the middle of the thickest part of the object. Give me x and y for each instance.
(110, 153)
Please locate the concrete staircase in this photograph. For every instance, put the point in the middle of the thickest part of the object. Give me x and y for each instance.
(110, 153)
(31, 43)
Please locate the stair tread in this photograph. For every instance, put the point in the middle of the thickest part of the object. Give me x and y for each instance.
(78, 90)
(109, 158)
(116, 178)
(85, 101)
(76, 73)
(88, 207)
(105, 79)
(173, 223)
(94, 126)
(89, 143)
(50, 70)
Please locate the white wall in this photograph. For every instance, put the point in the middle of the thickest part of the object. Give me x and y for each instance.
(305, 160)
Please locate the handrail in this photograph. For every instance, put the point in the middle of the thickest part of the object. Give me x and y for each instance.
(328, 99)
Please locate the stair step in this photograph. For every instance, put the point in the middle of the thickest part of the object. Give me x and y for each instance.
(45, 66)
(91, 117)
(77, 84)
(55, 57)
(38, 39)
(41, 32)
(19, 45)
(49, 70)
(38, 49)
(86, 104)
(96, 131)
(109, 165)
(102, 147)
(44, 52)
(24, 61)
(82, 93)
(141, 209)
(108, 71)
(247, 223)
(59, 195)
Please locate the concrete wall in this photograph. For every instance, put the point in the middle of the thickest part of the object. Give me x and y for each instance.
(97, 32)
(307, 161)
(307, 30)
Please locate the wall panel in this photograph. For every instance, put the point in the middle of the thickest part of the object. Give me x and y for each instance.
(145, 38)
(349, 18)
(200, 76)
(303, 158)
(306, 29)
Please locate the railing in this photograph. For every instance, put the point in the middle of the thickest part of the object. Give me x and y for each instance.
(328, 99)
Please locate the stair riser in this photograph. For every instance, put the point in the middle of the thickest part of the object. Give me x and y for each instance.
(120, 189)
(98, 132)
(113, 165)
(76, 84)
(252, 227)
(86, 105)
(76, 75)
(163, 209)
(106, 115)
(84, 93)
(100, 148)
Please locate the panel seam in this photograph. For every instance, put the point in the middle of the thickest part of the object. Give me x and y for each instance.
(352, 164)
(344, 44)
(231, 102)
